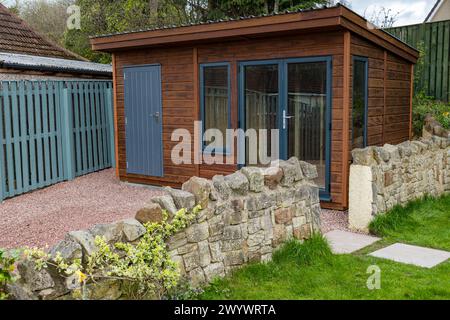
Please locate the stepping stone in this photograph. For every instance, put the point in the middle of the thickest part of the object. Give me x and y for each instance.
(418, 256)
(342, 242)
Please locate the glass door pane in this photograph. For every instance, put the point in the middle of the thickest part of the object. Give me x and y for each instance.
(306, 114)
(359, 107)
(261, 95)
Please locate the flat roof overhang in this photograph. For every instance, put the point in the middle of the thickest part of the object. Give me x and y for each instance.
(335, 18)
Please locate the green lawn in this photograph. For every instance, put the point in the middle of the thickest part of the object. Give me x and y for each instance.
(423, 222)
(310, 271)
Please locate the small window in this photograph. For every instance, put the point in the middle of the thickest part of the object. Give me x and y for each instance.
(215, 93)
(359, 107)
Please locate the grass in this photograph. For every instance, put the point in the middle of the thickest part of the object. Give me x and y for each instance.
(423, 222)
(310, 271)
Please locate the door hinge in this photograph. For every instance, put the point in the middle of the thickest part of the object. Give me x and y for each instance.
(127, 164)
(126, 120)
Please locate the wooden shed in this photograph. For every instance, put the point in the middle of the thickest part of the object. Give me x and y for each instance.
(326, 78)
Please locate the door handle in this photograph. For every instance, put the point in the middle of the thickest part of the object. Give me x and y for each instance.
(286, 117)
(156, 115)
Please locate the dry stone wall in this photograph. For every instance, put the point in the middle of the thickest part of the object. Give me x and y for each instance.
(382, 177)
(245, 216)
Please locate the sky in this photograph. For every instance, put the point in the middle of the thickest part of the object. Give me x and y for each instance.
(409, 11)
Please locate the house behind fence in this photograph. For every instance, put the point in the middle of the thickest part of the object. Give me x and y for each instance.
(52, 131)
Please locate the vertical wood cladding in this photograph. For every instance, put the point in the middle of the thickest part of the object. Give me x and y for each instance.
(389, 93)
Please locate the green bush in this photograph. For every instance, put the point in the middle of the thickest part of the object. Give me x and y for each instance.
(423, 105)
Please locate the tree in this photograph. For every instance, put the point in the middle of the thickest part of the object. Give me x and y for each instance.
(47, 17)
(111, 16)
(382, 17)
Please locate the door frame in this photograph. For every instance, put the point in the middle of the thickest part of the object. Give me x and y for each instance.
(325, 193)
(365, 60)
(128, 67)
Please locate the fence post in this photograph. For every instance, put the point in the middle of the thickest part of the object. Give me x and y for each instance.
(2, 178)
(110, 120)
(67, 134)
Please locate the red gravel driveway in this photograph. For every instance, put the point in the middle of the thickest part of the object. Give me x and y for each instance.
(44, 216)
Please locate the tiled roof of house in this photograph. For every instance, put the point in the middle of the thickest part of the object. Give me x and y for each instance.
(18, 37)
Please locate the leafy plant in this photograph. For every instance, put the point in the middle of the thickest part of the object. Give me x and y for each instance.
(423, 105)
(6, 269)
(145, 269)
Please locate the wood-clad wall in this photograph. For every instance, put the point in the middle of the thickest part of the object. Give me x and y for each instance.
(177, 74)
(388, 96)
(389, 93)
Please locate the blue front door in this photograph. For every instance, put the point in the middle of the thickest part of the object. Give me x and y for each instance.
(143, 120)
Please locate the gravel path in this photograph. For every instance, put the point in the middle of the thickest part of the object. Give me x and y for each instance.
(334, 220)
(43, 217)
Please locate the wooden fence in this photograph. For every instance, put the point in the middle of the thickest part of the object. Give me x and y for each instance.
(434, 38)
(52, 131)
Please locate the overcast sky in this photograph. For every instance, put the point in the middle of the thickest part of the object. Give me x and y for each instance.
(409, 11)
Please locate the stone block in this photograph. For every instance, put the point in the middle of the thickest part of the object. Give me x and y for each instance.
(197, 232)
(298, 168)
(215, 270)
(232, 233)
(68, 249)
(151, 213)
(205, 255)
(200, 188)
(222, 187)
(182, 199)
(309, 170)
(283, 215)
(272, 176)
(35, 279)
(132, 229)
(238, 182)
(112, 232)
(191, 260)
(166, 203)
(85, 239)
(234, 258)
(364, 157)
(255, 178)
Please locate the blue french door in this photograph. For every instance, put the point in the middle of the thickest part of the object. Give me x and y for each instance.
(143, 120)
(294, 96)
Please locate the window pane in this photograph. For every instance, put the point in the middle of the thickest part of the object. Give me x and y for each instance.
(359, 104)
(261, 104)
(307, 105)
(216, 95)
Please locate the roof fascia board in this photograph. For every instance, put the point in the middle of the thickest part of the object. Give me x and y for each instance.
(222, 34)
(355, 23)
(240, 25)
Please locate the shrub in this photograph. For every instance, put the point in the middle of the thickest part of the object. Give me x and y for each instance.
(145, 269)
(6, 269)
(423, 105)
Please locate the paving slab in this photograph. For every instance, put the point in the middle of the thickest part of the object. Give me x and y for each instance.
(408, 254)
(343, 242)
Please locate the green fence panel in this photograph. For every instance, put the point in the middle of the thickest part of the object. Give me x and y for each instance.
(52, 131)
(434, 38)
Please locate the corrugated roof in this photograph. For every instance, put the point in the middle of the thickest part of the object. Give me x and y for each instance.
(22, 61)
(174, 26)
(18, 37)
